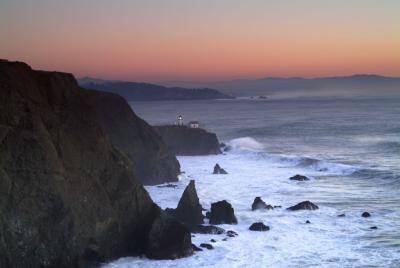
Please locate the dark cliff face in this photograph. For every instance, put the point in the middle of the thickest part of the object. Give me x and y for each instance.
(154, 162)
(184, 140)
(67, 196)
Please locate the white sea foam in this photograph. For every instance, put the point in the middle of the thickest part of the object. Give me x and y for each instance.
(245, 144)
(314, 164)
(329, 241)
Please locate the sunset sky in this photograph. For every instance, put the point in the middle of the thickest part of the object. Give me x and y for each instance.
(203, 39)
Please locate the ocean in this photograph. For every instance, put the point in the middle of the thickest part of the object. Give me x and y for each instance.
(350, 148)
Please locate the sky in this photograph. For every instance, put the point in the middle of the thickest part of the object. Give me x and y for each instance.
(166, 40)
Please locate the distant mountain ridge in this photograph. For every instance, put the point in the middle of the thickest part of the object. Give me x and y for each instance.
(353, 85)
(133, 91)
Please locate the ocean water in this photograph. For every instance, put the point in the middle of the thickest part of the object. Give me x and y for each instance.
(350, 149)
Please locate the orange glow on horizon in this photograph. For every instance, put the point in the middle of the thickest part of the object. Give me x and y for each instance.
(205, 46)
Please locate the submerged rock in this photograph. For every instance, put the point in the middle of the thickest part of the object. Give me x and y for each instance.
(259, 226)
(219, 170)
(299, 178)
(231, 233)
(222, 213)
(258, 203)
(366, 214)
(169, 185)
(196, 248)
(207, 246)
(213, 240)
(189, 209)
(224, 147)
(305, 205)
(206, 229)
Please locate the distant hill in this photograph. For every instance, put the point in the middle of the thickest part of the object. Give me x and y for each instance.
(133, 91)
(340, 86)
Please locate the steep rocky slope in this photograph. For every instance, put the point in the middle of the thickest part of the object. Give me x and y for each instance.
(154, 162)
(68, 197)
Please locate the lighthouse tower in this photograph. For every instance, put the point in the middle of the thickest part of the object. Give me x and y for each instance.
(180, 120)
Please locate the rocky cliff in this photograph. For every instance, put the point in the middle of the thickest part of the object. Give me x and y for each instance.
(183, 140)
(68, 197)
(154, 162)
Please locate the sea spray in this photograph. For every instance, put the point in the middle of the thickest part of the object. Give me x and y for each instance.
(245, 144)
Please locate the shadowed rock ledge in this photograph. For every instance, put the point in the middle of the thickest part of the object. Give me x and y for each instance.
(154, 162)
(183, 140)
(68, 197)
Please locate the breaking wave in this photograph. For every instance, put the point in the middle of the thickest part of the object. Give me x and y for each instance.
(245, 144)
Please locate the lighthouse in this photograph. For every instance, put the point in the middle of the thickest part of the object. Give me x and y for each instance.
(180, 120)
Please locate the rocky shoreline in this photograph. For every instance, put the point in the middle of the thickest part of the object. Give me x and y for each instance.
(73, 164)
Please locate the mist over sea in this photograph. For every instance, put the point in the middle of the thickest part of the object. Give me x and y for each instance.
(350, 148)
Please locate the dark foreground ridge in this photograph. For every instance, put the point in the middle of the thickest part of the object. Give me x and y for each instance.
(183, 140)
(68, 197)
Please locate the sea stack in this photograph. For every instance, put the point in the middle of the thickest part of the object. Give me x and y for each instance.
(219, 170)
(305, 205)
(222, 213)
(258, 203)
(189, 210)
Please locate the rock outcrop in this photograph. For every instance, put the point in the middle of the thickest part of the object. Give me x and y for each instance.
(219, 170)
(222, 213)
(305, 205)
(206, 229)
(154, 162)
(231, 233)
(68, 197)
(183, 140)
(167, 239)
(258, 203)
(299, 178)
(189, 210)
(365, 214)
(207, 246)
(259, 226)
(196, 248)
